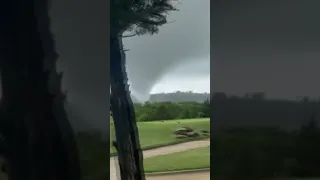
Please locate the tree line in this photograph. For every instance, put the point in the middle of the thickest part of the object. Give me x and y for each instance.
(154, 111)
(179, 96)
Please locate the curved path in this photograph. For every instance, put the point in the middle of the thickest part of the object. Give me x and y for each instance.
(167, 150)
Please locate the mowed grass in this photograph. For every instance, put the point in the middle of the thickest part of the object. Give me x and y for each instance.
(198, 158)
(159, 133)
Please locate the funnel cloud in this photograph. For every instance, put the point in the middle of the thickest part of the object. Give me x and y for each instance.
(184, 43)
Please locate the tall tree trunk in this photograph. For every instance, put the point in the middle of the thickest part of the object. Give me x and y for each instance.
(127, 137)
(41, 143)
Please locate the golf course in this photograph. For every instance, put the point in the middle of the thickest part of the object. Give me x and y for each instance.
(163, 152)
(159, 133)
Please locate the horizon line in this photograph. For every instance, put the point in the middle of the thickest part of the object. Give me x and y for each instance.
(196, 92)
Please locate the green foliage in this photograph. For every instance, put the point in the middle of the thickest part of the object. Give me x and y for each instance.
(169, 110)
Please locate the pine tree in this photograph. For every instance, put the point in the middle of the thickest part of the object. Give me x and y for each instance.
(137, 17)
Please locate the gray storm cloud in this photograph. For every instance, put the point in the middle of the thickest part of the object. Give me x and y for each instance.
(185, 40)
(266, 46)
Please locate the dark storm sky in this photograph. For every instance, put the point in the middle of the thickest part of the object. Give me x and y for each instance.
(266, 46)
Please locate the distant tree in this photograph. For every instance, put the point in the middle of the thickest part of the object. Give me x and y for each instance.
(234, 97)
(305, 99)
(170, 111)
(162, 112)
(137, 17)
(219, 96)
(258, 96)
(246, 96)
(206, 108)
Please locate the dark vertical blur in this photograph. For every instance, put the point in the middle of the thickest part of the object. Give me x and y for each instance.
(81, 32)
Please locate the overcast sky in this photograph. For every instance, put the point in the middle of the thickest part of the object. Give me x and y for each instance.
(178, 58)
(267, 46)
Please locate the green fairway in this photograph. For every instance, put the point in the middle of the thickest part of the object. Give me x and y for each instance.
(187, 160)
(158, 133)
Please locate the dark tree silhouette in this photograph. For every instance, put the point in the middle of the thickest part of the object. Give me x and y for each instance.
(39, 140)
(137, 17)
